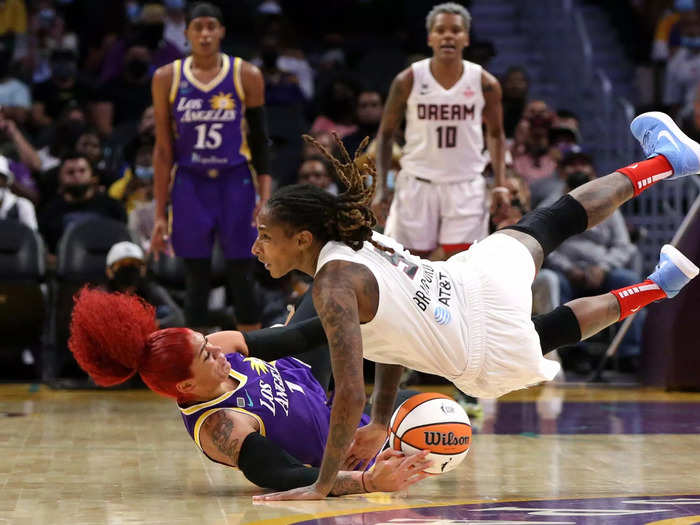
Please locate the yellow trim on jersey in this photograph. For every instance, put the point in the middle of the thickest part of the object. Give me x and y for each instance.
(175, 84)
(225, 67)
(237, 81)
(203, 417)
(244, 150)
(241, 378)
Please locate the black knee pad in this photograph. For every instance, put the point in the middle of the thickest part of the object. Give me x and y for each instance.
(557, 328)
(553, 225)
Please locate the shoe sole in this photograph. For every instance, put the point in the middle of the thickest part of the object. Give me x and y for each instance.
(674, 130)
(684, 264)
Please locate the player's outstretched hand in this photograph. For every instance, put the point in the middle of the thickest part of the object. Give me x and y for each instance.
(394, 471)
(367, 442)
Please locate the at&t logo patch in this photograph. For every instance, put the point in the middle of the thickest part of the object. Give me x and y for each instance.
(442, 315)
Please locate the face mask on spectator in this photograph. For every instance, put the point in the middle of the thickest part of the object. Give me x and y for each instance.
(691, 42)
(125, 277)
(144, 173)
(77, 191)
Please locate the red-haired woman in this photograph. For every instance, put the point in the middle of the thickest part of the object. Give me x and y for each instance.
(268, 419)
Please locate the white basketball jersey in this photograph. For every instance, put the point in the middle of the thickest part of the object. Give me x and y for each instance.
(444, 139)
(421, 318)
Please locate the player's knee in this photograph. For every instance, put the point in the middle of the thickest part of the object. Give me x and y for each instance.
(553, 225)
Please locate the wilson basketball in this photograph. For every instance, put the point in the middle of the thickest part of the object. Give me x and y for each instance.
(435, 422)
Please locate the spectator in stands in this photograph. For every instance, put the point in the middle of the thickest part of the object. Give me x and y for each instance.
(565, 134)
(683, 70)
(61, 137)
(597, 260)
(12, 206)
(291, 62)
(532, 158)
(13, 24)
(28, 156)
(127, 273)
(151, 31)
(516, 85)
(544, 192)
(126, 97)
(89, 143)
(174, 31)
(281, 88)
(317, 172)
(78, 199)
(691, 122)
(370, 107)
(667, 33)
(15, 97)
(64, 85)
(337, 108)
(136, 184)
(48, 34)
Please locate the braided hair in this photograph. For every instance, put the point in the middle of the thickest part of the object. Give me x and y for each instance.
(348, 217)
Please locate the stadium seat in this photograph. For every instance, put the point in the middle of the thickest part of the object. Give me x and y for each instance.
(82, 253)
(22, 299)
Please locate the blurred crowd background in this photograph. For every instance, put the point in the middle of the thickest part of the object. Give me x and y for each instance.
(77, 137)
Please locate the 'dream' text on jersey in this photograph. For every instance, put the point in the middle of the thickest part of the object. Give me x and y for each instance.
(445, 111)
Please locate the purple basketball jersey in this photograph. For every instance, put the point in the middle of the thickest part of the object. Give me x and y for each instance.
(285, 398)
(208, 118)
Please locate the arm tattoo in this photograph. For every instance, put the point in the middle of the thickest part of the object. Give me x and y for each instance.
(386, 384)
(221, 428)
(336, 302)
(346, 483)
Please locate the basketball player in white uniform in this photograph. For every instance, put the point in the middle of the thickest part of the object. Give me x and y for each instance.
(440, 199)
(467, 318)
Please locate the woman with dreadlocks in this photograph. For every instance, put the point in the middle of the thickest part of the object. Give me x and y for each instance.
(467, 318)
(268, 419)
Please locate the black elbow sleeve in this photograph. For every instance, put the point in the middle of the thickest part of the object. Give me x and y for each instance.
(282, 341)
(267, 465)
(258, 138)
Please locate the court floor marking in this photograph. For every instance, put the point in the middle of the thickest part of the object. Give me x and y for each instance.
(290, 520)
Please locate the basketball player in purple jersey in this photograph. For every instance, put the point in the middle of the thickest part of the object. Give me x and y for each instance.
(203, 157)
(270, 419)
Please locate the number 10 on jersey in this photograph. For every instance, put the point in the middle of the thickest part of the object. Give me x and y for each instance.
(447, 136)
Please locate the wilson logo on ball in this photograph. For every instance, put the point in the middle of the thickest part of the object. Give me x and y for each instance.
(449, 439)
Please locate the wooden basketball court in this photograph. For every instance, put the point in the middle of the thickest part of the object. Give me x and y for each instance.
(546, 455)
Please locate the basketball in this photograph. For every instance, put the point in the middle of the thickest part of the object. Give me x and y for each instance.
(435, 422)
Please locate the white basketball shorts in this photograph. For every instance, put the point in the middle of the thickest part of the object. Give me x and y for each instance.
(497, 274)
(425, 214)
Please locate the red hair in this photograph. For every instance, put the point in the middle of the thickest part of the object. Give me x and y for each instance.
(114, 336)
